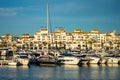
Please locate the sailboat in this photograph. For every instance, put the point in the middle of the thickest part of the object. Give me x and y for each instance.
(46, 59)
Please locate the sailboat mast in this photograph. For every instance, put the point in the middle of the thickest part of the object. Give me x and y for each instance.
(47, 17)
(47, 24)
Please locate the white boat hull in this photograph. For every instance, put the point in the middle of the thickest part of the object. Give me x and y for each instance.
(112, 61)
(24, 61)
(84, 61)
(13, 63)
(103, 61)
(94, 60)
(71, 62)
(68, 60)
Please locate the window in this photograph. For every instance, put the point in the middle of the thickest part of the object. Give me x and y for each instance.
(38, 38)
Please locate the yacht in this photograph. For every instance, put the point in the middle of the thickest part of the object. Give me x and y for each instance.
(84, 60)
(90, 59)
(14, 63)
(93, 60)
(112, 60)
(22, 59)
(67, 58)
(103, 60)
(45, 60)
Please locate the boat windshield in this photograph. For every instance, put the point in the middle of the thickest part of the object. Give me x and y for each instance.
(66, 54)
(23, 56)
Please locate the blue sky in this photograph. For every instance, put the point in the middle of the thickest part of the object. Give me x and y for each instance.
(28, 16)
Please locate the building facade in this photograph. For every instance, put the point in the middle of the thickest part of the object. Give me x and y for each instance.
(77, 39)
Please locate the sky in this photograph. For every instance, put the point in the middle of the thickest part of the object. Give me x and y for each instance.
(28, 16)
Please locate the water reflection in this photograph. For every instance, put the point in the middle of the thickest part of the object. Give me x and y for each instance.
(6, 66)
(93, 65)
(47, 65)
(103, 72)
(102, 65)
(23, 67)
(63, 72)
(13, 67)
(83, 65)
(113, 65)
(70, 66)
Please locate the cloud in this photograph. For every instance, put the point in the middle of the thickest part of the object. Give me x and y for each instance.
(13, 11)
(7, 12)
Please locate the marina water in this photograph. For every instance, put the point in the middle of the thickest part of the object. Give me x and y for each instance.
(63, 72)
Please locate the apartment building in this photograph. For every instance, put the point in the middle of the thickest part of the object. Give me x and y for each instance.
(77, 39)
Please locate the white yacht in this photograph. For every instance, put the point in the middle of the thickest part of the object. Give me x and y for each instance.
(46, 59)
(94, 60)
(90, 59)
(14, 63)
(103, 60)
(23, 59)
(112, 60)
(67, 58)
(84, 60)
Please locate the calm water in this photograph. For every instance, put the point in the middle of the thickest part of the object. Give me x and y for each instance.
(64, 72)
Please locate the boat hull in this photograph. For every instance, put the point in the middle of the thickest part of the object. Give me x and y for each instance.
(94, 61)
(103, 61)
(69, 61)
(14, 64)
(112, 61)
(24, 61)
(84, 61)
